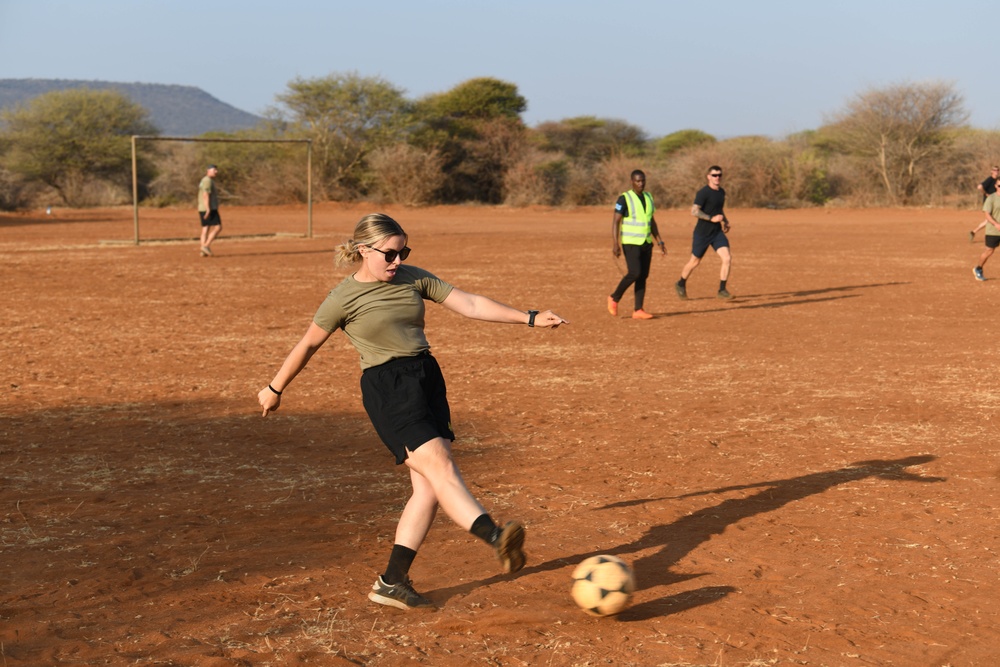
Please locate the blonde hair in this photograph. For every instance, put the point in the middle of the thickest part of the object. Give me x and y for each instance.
(369, 231)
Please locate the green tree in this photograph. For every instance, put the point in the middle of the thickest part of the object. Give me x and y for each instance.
(71, 138)
(591, 139)
(897, 130)
(682, 139)
(477, 130)
(484, 98)
(347, 116)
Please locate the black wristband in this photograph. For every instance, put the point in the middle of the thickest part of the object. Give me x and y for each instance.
(274, 390)
(531, 317)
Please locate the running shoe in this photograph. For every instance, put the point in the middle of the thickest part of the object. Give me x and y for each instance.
(724, 294)
(400, 596)
(509, 542)
(978, 273)
(641, 315)
(681, 290)
(612, 307)
(972, 237)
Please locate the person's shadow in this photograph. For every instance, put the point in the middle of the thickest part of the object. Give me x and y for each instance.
(679, 538)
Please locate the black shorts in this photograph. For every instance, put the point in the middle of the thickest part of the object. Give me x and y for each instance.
(212, 220)
(992, 241)
(407, 401)
(708, 235)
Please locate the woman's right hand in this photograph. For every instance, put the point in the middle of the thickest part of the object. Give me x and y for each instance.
(297, 359)
(268, 400)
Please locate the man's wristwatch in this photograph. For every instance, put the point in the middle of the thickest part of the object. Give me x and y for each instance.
(531, 317)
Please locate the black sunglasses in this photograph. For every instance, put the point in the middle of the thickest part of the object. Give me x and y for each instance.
(390, 255)
(719, 175)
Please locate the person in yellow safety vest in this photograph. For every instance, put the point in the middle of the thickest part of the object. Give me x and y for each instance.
(633, 229)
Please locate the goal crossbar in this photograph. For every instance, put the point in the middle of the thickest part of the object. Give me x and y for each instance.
(135, 176)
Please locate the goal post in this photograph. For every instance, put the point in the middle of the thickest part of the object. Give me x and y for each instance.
(135, 174)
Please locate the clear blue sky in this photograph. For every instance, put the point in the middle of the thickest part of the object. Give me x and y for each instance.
(730, 67)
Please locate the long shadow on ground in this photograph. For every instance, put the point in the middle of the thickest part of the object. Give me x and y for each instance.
(794, 298)
(677, 539)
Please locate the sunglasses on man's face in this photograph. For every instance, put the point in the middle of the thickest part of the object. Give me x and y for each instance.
(716, 175)
(390, 255)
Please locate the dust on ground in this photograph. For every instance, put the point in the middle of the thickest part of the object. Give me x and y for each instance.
(805, 475)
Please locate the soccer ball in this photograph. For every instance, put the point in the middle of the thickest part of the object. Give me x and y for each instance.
(602, 585)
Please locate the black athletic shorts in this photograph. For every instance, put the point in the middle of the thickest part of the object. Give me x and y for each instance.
(407, 401)
(992, 241)
(710, 234)
(212, 220)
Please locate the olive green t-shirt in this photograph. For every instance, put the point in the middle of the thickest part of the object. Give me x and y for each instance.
(383, 320)
(992, 206)
(208, 185)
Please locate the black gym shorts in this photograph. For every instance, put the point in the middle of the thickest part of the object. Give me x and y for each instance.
(992, 241)
(212, 220)
(707, 234)
(407, 401)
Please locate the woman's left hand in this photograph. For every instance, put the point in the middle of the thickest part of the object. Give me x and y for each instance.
(548, 319)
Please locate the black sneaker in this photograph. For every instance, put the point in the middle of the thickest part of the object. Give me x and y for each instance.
(401, 596)
(681, 290)
(972, 237)
(508, 542)
(724, 294)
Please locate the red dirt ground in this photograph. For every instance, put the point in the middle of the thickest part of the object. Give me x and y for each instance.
(806, 475)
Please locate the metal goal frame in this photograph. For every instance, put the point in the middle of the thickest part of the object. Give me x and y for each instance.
(135, 177)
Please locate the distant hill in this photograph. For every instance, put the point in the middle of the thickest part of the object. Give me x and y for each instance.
(175, 110)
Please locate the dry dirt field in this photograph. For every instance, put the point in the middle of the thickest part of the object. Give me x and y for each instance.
(806, 475)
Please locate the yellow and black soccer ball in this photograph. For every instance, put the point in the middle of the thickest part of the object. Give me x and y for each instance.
(603, 585)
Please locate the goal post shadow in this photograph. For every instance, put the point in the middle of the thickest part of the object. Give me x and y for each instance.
(189, 239)
(135, 179)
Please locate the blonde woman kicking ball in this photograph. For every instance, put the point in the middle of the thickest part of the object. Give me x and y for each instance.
(380, 308)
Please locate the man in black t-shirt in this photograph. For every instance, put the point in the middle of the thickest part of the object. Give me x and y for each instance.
(710, 230)
(986, 188)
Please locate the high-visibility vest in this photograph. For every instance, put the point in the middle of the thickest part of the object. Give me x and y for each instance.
(635, 226)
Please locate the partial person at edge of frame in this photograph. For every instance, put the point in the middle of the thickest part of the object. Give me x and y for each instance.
(991, 207)
(208, 210)
(710, 230)
(987, 187)
(633, 228)
(380, 308)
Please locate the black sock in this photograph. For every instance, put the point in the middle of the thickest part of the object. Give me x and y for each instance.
(722, 285)
(682, 282)
(484, 528)
(400, 561)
